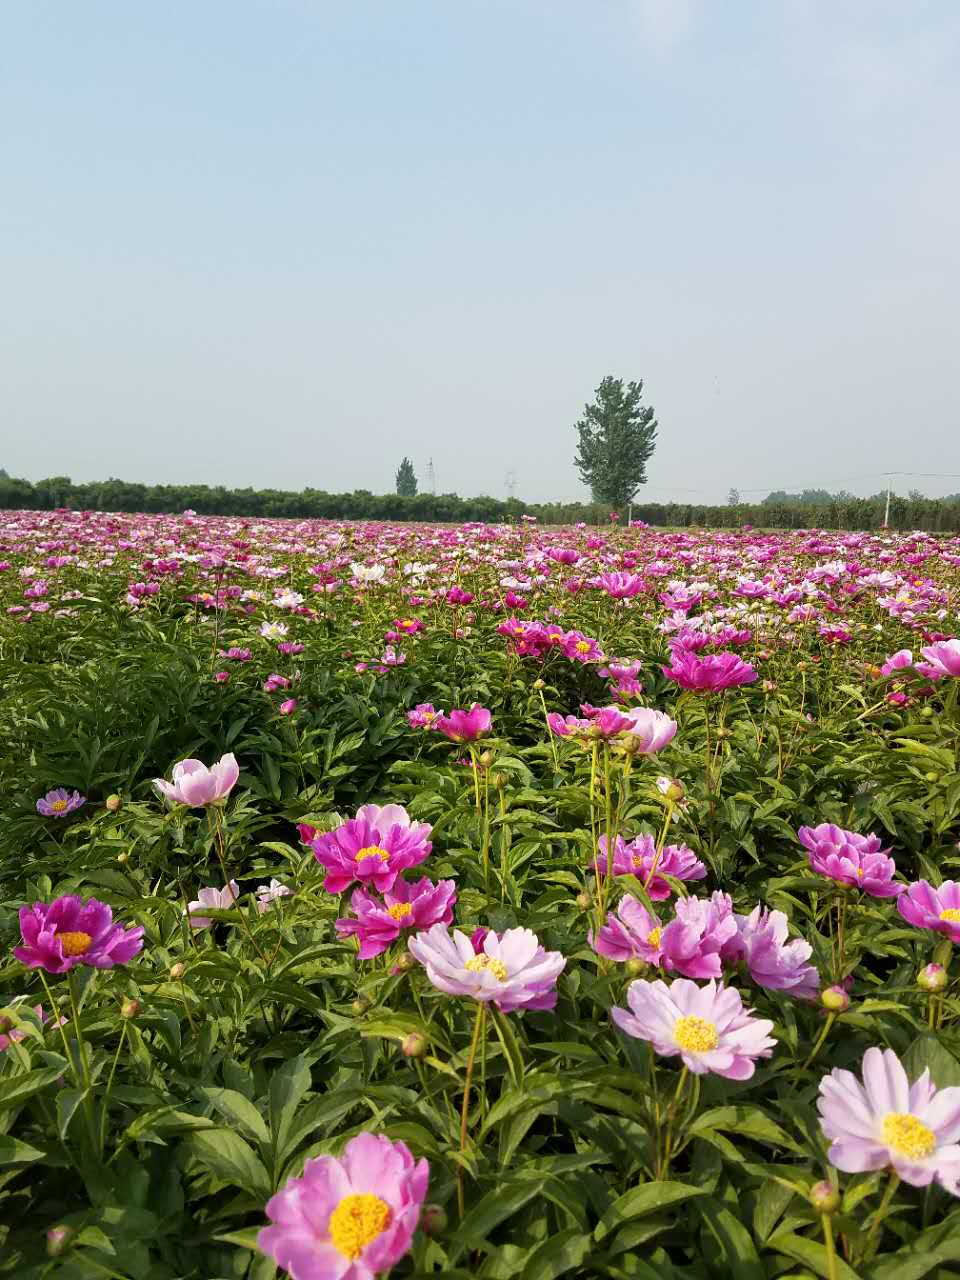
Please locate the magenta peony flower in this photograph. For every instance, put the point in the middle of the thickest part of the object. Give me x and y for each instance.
(347, 1219)
(513, 970)
(60, 802)
(707, 1026)
(423, 716)
(374, 847)
(71, 931)
(773, 962)
(406, 906)
(850, 859)
(902, 660)
(631, 933)
(887, 1122)
(621, 586)
(638, 857)
(196, 785)
(929, 908)
(710, 674)
(219, 899)
(942, 659)
(581, 648)
(464, 726)
(693, 940)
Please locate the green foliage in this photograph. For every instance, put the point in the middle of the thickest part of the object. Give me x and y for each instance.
(406, 479)
(615, 439)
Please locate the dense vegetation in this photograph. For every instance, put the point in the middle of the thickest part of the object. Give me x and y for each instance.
(145, 1127)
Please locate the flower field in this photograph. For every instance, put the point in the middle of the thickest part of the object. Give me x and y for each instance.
(477, 901)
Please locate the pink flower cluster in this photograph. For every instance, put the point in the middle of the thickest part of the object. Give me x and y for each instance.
(458, 726)
(642, 729)
(536, 639)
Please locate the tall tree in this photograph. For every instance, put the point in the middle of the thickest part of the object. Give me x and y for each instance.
(616, 437)
(406, 479)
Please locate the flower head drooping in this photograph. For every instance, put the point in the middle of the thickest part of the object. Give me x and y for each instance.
(632, 933)
(639, 858)
(888, 1122)
(196, 785)
(59, 935)
(219, 899)
(374, 847)
(850, 859)
(710, 674)
(708, 1026)
(513, 971)
(59, 803)
(406, 906)
(351, 1218)
(928, 908)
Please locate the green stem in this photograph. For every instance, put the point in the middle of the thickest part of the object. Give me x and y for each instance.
(550, 734)
(829, 1246)
(106, 1097)
(831, 1019)
(873, 1239)
(465, 1109)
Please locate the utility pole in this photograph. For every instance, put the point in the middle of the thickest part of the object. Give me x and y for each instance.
(886, 515)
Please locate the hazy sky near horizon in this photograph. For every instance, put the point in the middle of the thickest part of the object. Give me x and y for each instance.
(284, 242)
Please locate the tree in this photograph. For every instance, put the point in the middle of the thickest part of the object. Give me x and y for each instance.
(733, 498)
(616, 437)
(406, 479)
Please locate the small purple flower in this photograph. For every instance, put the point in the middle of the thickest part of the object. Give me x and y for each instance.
(928, 908)
(639, 858)
(60, 802)
(850, 859)
(59, 935)
(407, 906)
(513, 971)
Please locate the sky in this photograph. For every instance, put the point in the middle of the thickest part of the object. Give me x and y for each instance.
(285, 242)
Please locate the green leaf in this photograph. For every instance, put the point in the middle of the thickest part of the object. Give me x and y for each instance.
(926, 1051)
(67, 1102)
(288, 1087)
(18, 1088)
(726, 1243)
(235, 1107)
(14, 1152)
(748, 1122)
(511, 1046)
(230, 1160)
(648, 1198)
(811, 1253)
(495, 1207)
(557, 1255)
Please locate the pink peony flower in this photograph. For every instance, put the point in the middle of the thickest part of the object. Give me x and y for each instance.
(638, 858)
(707, 1026)
(59, 935)
(11, 1034)
(268, 894)
(219, 899)
(928, 908)
(887, 1122)
(710, 674)
(60, 802)
(464, 726)
(407, 906)
(374, 847)
(902, 660)
(850, 859)
(581, 648)
(693, 940)
(513, 970)
(288, 706)
(351, 1218)
(621, 586)
(650, 730)
(942, 659)
(773, 962)
(631, 933)
(196, 785)
(422, 716)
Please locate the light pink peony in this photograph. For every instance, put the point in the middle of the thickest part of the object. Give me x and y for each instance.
(196, 785)
(219, 899)
(512, 971)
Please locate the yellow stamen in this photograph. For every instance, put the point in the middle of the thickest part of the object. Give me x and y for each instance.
(400, 910)
(653, 937)
(356, 1221)
(637, 859)
(906, 1135)
(58, 806)
(582, 647)
(951, 914)
(372, 851)
(74, 943)
(696, 1035)
(478, 963)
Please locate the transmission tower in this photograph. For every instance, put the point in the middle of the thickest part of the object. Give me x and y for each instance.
(431, 477)
(510, 483)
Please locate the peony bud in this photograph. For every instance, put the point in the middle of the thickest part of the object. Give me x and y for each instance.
(122, 858)
(405, 962)
(584, 901)
(670, 789)
(360, 1005)
(433, 1220)
(112, 803)
(177, 971)
(57, 1240)
(835, 999)
(486, 759)
(130, 1008)
(824, 1197)
(933, 977)
(414, 1045)
(539, 684)
(635, 967)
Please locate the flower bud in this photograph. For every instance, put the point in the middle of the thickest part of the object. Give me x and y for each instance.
(927, 713)
(486, 759)
(584, 901)
(360, 1005)
(57, 1240)
(824, 1197)
(670, 789)
(130, 1008)
(499, 780)
(635, 967)
(414, 1045)
(539, 684)
(112, 803)
(122, 858)
(177, 971)
(931, 777)
(724, 733)
(405, 962)
(769, 686)
(835, 1000)
(433, 1220)
(933, 977)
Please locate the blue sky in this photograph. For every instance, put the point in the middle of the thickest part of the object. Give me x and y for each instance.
(286, 242)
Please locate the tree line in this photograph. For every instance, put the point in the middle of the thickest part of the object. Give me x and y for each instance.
(841, 512)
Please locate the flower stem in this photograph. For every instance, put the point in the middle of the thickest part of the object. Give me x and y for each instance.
(106, 1097)
(829, 1246)
(550, 734)
(465, 1109)
(873, 1239)
(818, 1045)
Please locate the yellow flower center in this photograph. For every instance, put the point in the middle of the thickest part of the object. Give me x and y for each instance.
(582, 647)
(400, 910)
(951, 914)
(637, 859)
(74, 943)
(58, 806)
(478, 963)
(372, 851)
(653, 937)
(356, 1221)
(904, 1134)
(696, 1035)
(860, 872)
(406, 622)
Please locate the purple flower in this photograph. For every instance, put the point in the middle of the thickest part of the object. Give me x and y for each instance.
(631, 933)
(693, 940)
(196, 785)
(374, 847)
(347, 1219)
(710, 674)
(406, 906)
(60, 802)
(850, 859)
(639, 858)
(464, 726)
(773, 962)
(423, 715)
(942, 659)
(219, 899)
(268, 894)
(513, 970)
(69, 931)
(929, 908)
(888, 1122)
(707, 1026)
